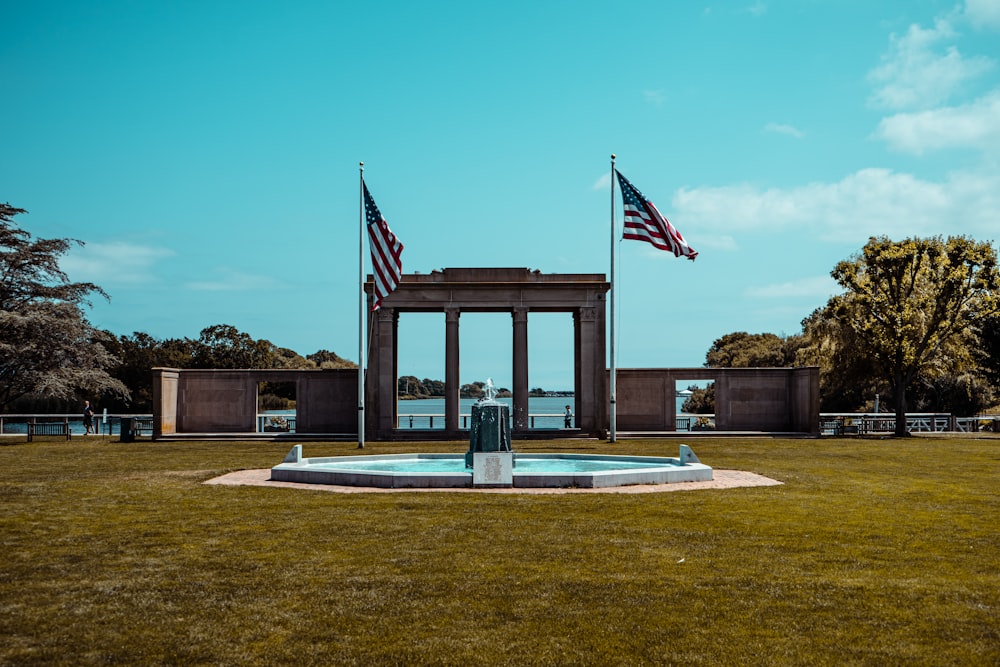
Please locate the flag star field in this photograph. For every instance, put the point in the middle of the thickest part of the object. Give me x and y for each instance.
(207, 155)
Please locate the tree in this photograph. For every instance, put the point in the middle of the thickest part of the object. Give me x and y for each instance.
(47, 346)
(701, 401)
(225, 346)
(908, 301)
(988, 348)
(328, 359)
(139, 354)
(745, 350)
(846, 382)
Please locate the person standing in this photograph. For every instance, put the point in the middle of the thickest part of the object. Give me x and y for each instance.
(88, 418)
(568, 418)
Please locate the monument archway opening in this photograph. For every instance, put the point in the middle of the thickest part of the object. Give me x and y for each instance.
(515, 291)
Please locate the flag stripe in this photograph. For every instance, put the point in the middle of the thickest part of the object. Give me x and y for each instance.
(643, 222)
(386, 251)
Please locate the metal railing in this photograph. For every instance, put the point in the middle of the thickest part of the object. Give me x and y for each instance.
(870, 423)
(427, 420)
(271, 423)
(104, 424)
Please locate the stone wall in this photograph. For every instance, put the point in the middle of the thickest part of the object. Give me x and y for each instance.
(746, 399)
(225, 401)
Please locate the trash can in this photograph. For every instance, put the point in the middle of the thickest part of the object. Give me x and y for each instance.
(125, 428)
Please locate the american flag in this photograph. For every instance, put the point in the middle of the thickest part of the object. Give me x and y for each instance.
(644, 223)
(387, 267)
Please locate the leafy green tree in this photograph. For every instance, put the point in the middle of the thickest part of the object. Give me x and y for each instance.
(701, 401)
(433, 388)
(225, 346)
(286, 358)
(746, 350)
(846, 379)
(908, 301)
(472, 390)
(410, 387)
(742, 350)
(139, 354)
(987, 347)
(328, 359)
(47, 346)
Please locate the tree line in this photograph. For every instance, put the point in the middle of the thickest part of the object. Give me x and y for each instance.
(918, 322)
(51, 358)
(408, 387)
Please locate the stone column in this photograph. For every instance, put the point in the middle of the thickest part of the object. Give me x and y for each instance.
(520, 388)
(385, 383)
(165, 381)
(452, 384)
(590, 392)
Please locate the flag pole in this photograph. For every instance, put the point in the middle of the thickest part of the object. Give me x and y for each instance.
(361, 313)
(612, 373)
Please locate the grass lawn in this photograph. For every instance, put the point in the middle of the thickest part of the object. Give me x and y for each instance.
(872, 552)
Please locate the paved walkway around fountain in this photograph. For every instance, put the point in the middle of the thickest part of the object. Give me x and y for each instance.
(723, 479)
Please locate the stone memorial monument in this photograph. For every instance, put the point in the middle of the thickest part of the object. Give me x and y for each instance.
(490, 455)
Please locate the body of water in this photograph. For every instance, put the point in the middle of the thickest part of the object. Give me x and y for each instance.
(546, 410)
(111, 427)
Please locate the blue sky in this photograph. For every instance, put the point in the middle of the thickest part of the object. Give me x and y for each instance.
(207, 153)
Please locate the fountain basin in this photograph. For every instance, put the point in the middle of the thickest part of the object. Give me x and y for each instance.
(395, 471)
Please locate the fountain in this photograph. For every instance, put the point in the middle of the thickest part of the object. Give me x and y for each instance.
(490, 463)
(490, 455)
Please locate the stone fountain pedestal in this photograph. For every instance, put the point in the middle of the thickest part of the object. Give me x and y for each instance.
(490, 455)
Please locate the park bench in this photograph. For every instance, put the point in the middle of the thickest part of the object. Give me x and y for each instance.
(48, 428)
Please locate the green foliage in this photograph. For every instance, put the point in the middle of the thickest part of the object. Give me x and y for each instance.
(48, 349)
(742, 350)
(846, 378)
(987, 347)
(472, 390)
(219, 346)
(746, 350)
(139, 354)
(918, 325)
(224, 346)
(701, 401)
(908, 303)
(409, 386)
(328, 359)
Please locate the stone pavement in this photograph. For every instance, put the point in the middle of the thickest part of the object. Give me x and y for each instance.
(723, 479)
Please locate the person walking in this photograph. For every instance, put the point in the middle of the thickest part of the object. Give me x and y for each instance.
(88, 418)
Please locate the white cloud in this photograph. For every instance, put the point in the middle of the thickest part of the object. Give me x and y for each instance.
(724, 242)
(913, 75)
(780, 128)
(975, 125)
(869, 202)
(231, 280)
(820, 287)
(603, 183)
(757, 9)
(654, 97)
(107, 264)
(983, 14)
